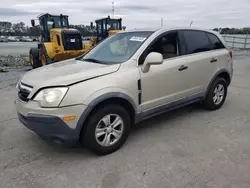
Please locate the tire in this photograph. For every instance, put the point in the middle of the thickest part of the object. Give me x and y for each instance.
(210, 101)
(92, 142)
(34, 58)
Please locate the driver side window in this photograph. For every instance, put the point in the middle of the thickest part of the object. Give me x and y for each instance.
(167, 45)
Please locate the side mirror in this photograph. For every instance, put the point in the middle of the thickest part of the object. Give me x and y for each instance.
(33, 23)
(124, 27)
(153, 58)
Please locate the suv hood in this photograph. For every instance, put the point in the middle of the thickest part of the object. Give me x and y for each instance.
(66, 72)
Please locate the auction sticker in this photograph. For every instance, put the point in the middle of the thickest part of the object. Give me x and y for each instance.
(138, 39)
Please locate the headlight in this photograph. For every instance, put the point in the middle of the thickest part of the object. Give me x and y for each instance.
(51, 97)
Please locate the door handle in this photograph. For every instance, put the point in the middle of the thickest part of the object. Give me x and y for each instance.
(183, 67)
(213, 60)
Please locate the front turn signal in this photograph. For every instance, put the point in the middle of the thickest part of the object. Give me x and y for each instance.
(69, 118)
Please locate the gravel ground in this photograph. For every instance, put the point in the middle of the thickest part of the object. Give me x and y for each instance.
(14, 54)
(189, 147)
(10, 77)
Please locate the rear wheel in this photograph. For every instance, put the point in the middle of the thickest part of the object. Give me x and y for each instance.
(106, 130)
(216, 95)
(34, 58)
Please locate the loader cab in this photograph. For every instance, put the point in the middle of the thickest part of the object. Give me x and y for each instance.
(106, 27)
(48, 22)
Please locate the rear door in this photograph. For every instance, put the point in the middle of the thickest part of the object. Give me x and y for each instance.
(219, 52)
(200, 63)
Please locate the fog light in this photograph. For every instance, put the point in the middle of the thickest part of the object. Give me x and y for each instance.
(69, 118)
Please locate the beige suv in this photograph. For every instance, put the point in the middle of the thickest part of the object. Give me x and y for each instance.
(129, 77)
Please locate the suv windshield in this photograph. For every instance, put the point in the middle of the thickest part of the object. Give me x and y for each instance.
(117, 48)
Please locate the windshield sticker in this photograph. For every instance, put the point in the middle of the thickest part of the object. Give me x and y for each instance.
(138, 39)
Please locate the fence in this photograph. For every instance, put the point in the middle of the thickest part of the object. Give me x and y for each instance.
(238, 41)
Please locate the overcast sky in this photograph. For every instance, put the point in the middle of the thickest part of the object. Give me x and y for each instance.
(135, 13)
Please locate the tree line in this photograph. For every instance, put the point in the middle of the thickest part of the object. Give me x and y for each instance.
(19, 29)
(242, 31)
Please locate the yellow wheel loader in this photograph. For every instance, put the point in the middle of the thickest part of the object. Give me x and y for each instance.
(105, 27)
(57, 41)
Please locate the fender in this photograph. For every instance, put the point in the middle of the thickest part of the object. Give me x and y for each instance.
(97, 101)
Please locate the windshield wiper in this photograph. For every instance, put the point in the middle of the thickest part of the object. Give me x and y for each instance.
(93, 60)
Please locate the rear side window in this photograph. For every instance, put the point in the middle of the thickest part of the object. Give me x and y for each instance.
(196, 41)
(216, 43)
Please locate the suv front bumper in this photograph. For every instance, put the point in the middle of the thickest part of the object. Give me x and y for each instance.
(50, 128)
(48, 123)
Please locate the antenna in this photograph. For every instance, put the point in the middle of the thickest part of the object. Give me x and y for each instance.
(190, 23)
(113, 9)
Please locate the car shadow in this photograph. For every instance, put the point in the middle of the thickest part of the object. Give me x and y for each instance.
(163, 119)
(78, 152)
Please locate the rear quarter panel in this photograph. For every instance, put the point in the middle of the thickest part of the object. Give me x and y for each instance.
(224, 59)
(224, 62)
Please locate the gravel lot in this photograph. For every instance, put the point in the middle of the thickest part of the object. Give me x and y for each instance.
(189, 147)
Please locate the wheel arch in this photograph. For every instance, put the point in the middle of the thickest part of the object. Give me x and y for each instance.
(109, 98)
(226, 76)
(223, 73)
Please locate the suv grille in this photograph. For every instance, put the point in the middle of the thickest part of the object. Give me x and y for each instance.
(72, 40)
(24, 91)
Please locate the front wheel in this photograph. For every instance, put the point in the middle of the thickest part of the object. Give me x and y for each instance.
(216, 95)
(107, 129)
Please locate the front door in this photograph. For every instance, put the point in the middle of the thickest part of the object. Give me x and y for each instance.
(162, 84)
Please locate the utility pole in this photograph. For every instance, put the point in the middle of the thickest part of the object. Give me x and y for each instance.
(191, 23)
(113, 9)
(161, 22)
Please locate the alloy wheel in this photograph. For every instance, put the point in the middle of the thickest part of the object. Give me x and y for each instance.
(218, 94)
(109, 130)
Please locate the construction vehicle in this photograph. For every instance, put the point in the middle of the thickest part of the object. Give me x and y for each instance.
(59, 42)
(105, 27)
